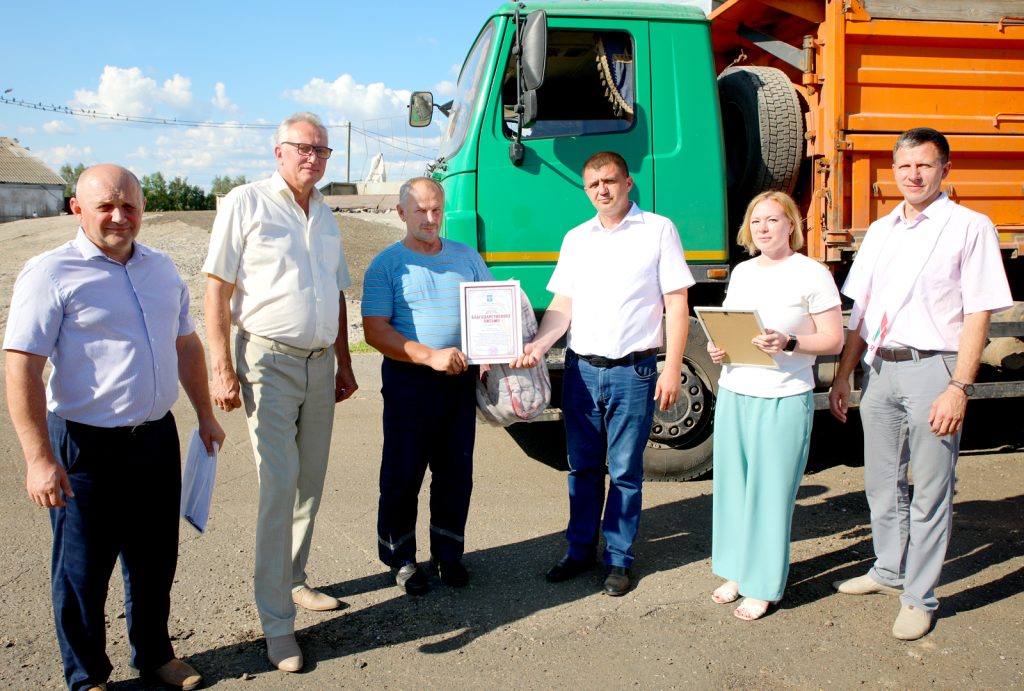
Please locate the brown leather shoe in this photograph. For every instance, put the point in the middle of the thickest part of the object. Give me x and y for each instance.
(314, 600)
(179, 675)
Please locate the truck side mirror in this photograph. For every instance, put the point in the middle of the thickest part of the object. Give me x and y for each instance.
(529, 107)
(534, 49)
(421, 108)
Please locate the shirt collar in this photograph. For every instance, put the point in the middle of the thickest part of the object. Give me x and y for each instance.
(634, 215)
(938, 211)
(90, 251)
(278, 184)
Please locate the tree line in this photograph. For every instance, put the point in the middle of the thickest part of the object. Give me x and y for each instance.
(161, 195)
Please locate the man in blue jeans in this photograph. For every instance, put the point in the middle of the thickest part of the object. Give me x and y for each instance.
(616, 274)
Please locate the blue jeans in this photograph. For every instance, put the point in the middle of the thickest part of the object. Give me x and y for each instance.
(127, 485)
(429, 421)
(608, 413)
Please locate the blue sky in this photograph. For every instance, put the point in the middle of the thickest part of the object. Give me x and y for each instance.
(255, 62)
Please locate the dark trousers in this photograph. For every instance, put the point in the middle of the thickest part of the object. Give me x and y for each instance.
(127, 486)
(429, 421)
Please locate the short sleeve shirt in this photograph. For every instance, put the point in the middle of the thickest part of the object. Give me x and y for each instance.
(616, 279)
(964, 274)
(419, 293)
(110, 331)
(287, 268)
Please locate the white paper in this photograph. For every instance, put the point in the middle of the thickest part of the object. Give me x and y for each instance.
(197, 483)
(492, 327)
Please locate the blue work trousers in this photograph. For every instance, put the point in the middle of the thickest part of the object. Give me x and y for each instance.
(429, 421)
(608, 413)
(127, 487)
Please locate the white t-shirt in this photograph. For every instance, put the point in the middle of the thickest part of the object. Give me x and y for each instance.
(617, 278)
(785, 295)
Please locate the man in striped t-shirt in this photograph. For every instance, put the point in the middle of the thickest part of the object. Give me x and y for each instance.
(411, 315)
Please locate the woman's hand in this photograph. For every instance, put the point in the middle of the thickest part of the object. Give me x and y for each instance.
(771, 341)
(717, 354)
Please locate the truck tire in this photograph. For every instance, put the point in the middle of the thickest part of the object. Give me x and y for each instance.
(679, 447)
(763, 130)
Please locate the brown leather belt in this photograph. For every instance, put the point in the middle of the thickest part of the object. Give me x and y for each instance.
(904, 354)
(601, 361)
(278, 347)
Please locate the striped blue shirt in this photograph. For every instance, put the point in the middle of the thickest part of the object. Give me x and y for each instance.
(419, 293)
(109, 329)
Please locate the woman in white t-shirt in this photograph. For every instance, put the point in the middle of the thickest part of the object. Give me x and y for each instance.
(763, 415)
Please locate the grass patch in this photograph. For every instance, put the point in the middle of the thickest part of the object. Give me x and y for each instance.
(361, 347)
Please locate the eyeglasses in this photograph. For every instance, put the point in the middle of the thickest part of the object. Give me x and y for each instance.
(306, 149)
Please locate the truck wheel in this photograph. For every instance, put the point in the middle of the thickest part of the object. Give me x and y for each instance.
(763, 130)
(679, 447)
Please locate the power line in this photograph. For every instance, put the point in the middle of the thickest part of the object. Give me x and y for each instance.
(424, 151)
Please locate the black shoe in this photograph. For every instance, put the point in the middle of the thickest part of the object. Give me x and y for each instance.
(617, 582)
(412, 580)
(568, 567)
(451, 573)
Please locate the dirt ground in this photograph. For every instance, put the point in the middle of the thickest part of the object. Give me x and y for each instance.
(509, 628)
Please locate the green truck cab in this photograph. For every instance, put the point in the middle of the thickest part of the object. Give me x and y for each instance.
(539, 94)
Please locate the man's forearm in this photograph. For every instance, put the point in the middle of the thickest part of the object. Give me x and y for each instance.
(341, 345)
(852, 352)
(555, 323)
(677, 326)
(193, 375)
(385, 338)
(217, 309)
(26, 403)
(973, 338)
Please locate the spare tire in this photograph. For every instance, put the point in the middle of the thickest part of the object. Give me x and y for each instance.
(763, 130)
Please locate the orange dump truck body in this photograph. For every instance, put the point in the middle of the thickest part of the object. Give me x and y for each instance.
(866, 70)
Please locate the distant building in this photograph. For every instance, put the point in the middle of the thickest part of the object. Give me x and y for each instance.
(28, 188)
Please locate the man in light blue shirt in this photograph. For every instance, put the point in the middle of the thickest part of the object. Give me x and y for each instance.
(100, 443)
(411, 315)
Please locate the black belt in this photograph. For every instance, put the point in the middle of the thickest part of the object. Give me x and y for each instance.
(600, 361)
(904, 354)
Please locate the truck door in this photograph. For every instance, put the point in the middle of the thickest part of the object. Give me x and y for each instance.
(597, 74)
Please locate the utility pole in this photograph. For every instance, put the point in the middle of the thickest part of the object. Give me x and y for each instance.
(348, 154)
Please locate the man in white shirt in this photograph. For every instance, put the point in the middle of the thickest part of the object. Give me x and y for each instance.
(616, 274)
(925, 282)
(276, 270)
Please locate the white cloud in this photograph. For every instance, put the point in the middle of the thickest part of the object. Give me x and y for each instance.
(26, 130)
(347, 99)
(221, 100)
(444, 88)
(200, 153)
(57, 156)
(126, 91)
(57, 127)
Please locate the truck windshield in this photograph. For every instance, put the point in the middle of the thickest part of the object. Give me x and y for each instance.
(470, 80)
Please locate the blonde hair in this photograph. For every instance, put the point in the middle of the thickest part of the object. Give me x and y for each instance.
(796, 236)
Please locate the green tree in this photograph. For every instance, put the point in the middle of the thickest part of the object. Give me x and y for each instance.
(71, 176)
(154, 187)
(185, 197)
(223, 185)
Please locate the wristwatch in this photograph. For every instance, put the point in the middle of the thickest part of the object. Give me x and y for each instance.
(791, 344)
(968, 389)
